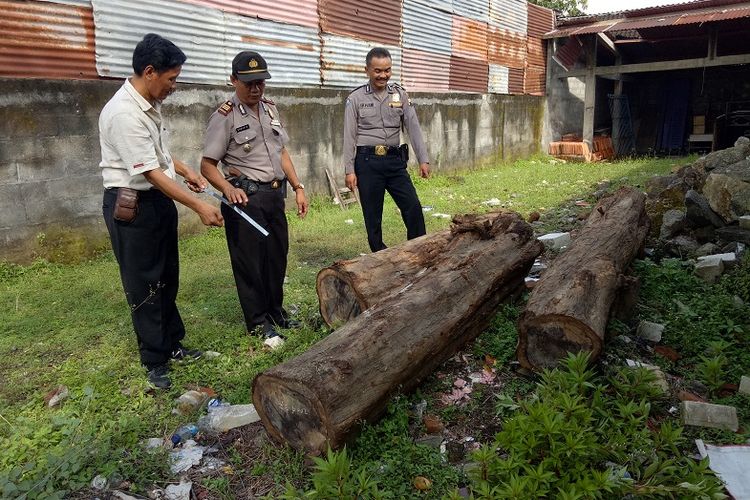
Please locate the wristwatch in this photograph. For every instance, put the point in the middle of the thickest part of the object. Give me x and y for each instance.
(298, 186)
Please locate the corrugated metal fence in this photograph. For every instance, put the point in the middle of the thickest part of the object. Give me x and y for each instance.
(447, 45)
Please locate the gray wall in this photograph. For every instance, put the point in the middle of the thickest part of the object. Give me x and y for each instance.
(50, 185)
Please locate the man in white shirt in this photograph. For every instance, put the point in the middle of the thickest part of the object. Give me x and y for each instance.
(139, 175)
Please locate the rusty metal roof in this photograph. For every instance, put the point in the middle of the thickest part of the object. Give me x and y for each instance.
(698, 12)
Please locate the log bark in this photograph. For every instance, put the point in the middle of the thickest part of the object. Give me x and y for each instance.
(320, 397)
(570, 305)
(348, 287)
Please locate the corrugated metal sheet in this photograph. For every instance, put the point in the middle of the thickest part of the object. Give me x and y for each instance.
(568, 54)
(425, 28)
(507, 48)
(468, 75)
(46, 40)
(469, 38)
(425, 70)
(343, 61)
(535, 53)
(77, 3)
(509, 14)
(676, 19)
(515, 81)
(376, 20)
(534, 81)
(292, 52)
(473, 9)
(540, 20)
(498, 79)
(444, 5)
(647, 11)
(197, 30)
(300, 12)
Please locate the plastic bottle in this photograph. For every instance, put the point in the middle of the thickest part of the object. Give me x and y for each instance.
(184, 433)
(223, 418)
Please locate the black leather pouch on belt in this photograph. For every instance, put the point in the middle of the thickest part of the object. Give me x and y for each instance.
(404, 152)
(126, 206)
(241, 181)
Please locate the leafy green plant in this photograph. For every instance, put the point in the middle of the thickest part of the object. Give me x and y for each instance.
(577, 440)
(711, 369)
(334, 478)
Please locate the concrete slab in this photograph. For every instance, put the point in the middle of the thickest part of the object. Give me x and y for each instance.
(709, 415)
(650, 331)
(555, 241)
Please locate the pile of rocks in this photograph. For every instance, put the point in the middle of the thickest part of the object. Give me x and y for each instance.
(703, 209)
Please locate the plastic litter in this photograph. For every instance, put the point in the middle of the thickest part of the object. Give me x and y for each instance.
(184, 433)
(223, 418)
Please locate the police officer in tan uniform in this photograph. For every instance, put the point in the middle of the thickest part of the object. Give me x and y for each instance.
(247, 136)
(373, 160)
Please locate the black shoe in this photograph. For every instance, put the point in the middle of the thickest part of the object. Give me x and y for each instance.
(158, 377)
(183, 353)
(265, 331)
(288, 323)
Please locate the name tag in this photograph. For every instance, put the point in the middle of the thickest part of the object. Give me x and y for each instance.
(244, 127)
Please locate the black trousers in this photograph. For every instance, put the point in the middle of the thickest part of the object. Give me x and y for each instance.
(146, 250)
(259, 262)
(375, 176)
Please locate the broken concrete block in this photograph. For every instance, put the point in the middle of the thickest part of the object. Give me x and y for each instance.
(744, 385)
(555, 241)
(709, 270)
(709, 415)
(661, 379)
(729, 259)
(650, 331)
(745, 222)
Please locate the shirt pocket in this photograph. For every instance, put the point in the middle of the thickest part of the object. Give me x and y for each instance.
(243, 143)
(279, 135)
(392, 117)
(370, 118)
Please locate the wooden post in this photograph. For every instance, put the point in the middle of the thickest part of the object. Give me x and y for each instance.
(589, 101)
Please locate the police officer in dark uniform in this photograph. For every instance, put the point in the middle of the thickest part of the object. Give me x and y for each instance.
(373, 160)
(246, 135)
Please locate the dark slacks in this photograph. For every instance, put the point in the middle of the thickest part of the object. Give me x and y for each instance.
(259, 262)
(146, 250)
(375, 176)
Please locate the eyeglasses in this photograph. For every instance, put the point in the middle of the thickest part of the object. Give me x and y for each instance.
(254, 83)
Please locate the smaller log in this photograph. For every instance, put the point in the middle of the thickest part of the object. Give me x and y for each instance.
(570, 305)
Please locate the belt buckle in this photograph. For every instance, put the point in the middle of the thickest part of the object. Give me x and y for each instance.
(380, 150)
(275, 184)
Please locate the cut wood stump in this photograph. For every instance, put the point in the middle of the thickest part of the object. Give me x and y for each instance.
(348, 287)
(570, 305)
(319, 398)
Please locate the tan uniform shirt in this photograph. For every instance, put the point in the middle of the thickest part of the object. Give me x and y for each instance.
(368, 121)
(133, 140)
(251, 143)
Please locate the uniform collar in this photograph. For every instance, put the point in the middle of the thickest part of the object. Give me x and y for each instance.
(242, 108)
(138, 98)
(389, 87)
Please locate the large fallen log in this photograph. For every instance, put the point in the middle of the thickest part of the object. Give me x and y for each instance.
(570, 305)
(320, 397)
(348, 287)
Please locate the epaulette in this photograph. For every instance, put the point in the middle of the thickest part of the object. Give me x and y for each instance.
(225, 108)
(356, 89)
(399, 86)
(268, 101)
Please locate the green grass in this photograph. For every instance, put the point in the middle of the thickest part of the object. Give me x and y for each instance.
(69, 325)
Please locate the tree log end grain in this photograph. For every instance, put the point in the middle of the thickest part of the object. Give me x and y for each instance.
(293, 411)
(547, 339)
(338, 297)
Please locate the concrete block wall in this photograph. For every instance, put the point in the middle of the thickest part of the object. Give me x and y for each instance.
(50, 183)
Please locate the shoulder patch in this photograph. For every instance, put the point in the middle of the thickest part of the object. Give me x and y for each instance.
(225, 108)
(399, 86)
(268, 101)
